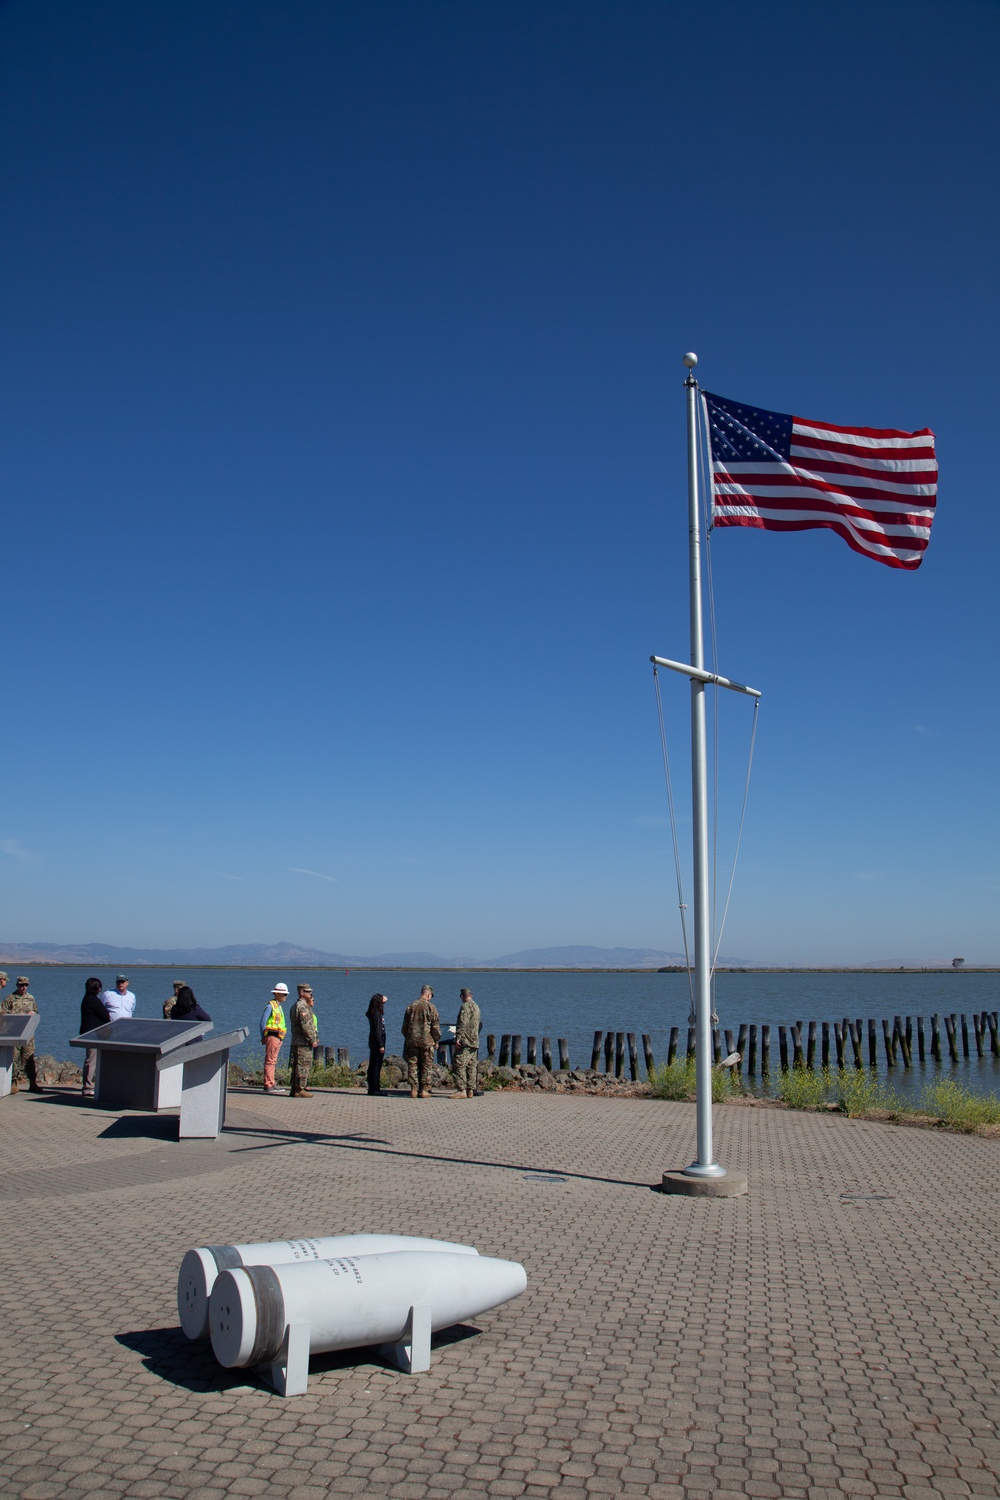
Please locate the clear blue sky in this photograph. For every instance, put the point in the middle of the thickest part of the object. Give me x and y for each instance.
(343, 468)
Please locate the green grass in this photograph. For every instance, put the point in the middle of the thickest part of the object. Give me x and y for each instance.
(862, 1093)
(855, 1093)
(676, 1080)
(958, 1106)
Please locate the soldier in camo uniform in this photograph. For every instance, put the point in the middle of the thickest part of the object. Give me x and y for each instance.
(467, 1031)
(22, 1004)
(305, 1035)
(421, 1032)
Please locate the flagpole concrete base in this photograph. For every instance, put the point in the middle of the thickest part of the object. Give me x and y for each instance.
(732, 1185)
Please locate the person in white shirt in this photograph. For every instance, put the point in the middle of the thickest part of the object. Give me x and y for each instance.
(120, 1001)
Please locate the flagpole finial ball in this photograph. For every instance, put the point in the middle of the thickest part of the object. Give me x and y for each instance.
(690, 360)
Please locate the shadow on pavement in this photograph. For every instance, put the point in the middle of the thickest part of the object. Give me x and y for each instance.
(552, 1175)
(141, 1127)
(170, 1355)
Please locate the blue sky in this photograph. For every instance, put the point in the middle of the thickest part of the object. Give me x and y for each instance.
(343, 465)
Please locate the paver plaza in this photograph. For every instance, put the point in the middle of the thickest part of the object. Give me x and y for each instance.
(796, 1342)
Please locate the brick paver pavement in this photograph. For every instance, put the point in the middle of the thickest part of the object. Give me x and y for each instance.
(794, 1343)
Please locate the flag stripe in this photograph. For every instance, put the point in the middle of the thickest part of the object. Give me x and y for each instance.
(786, 474)
(877, 488)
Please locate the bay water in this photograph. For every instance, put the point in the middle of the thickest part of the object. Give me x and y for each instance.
(570, 1005)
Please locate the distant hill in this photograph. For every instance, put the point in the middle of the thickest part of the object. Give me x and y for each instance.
(272, 955)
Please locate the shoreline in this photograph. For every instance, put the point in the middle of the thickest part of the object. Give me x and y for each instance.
(49, 963)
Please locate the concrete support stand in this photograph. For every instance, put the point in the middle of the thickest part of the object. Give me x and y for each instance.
(289, 1373)
(732, 1185)
(412, 1354)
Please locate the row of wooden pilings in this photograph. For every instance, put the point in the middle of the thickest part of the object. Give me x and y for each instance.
(510, 1051)
(811, 1043)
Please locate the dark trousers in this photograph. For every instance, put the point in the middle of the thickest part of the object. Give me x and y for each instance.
(374, 1071)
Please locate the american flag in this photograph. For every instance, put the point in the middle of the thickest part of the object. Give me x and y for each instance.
(874, 486)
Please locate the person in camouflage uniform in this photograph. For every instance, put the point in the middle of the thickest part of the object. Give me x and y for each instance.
(421, 1033)
(22, 1004)
(168, 1005)
(467, 1029)
(305, 1035)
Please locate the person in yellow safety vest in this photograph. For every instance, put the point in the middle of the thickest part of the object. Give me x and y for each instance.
(272, 1033)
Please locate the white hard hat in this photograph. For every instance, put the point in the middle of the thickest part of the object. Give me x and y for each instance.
(280, 989)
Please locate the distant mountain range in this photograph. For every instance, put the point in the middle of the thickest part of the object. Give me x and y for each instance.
(271, 955)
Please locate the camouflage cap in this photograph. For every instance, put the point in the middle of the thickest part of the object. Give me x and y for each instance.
(3, 976)
(22, 979)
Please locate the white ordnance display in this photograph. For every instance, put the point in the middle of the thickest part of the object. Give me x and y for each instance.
(201, 1268)
(277, 1315)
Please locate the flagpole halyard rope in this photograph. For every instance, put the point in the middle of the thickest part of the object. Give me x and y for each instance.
(682, 904)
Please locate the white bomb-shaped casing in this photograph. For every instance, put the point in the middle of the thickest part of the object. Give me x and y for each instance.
(350, 1301)
(201, 1268)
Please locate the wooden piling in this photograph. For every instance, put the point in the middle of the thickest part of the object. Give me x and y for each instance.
(609, 1047)
(977, 1027)
(318, 1057)
(595, 1056)
(872, 1044)
(716, 1044)
(563, 1045)
(329, 1056)
(741, 1046)
(965, 1036)
(902, 1041)
(504, 1058)
(950, 1032)
(532, 1049)
(765, 1050)
(935, 1037)
(991, 1021)
(690, 1044)
(515, 1050)
(547, 1052)
(619, 1053)
(783, 1048)
(730, 1044)
(810, 1045)
(890, 1054)
(920, 1039)
(838, 1037)
(491, 1047)
(798, 1057)
(647, 1049)
(826, 1044)
(752, 1058)
(855, 1035)
(675, 1032)
(633, 1055)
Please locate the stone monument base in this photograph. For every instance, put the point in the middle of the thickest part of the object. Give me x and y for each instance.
(733, 1185)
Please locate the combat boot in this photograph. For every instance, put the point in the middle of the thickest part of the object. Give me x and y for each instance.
(34, 1087)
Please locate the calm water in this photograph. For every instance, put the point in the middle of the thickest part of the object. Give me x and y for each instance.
(568, 1005)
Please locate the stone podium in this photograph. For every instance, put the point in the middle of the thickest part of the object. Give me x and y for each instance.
(14, 1031)
(129, 1075)
(156, 1065)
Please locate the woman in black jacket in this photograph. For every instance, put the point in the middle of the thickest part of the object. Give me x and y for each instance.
(376, 1041)
(93, 1013)
(186, 1007)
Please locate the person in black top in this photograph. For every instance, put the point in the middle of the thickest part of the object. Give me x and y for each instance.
(93, 1013)
(376, 1041)
(186, 1007)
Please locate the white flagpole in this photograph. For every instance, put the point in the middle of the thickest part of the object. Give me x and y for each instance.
(704, 1177)
(705, 1165)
